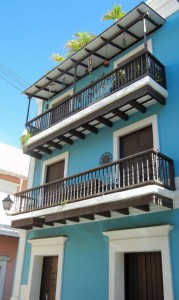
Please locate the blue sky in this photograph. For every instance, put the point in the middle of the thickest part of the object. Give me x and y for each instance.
(30, 32)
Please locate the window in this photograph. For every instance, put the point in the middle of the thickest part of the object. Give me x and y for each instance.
(55, 171)
(138, 240)
(118, 135)
(55, 168)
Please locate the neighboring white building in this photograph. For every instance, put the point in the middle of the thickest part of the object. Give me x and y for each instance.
(14, 166)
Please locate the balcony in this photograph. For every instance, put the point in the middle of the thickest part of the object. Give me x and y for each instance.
(84, 195)
(133, 86)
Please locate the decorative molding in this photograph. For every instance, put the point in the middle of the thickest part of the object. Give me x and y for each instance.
(46, 163)
(105, 158)
(135, 233)
(44, 247)
(146, 239)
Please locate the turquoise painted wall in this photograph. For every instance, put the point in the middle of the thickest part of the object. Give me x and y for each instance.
(85, 270)
(86, 259)
(166, 49)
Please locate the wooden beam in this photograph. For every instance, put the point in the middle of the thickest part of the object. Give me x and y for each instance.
(34, 154)
(78, 134)
(138, 106)
(105, 208)
(105, 121)
(128, 32)
(148, 18)
(111, 43)
(28, 223)
(44, 149)
(39, 97)
(124, 211)
(74, 219)
(144, 207)
(49, 223)
(79, 63)
(106, 214)
(120, 114)
(38, 222)
(57, 81)
(95, 54)
(68, 73)
(90, 128)
(160, 99)
(61, 221)
(65, 139)
(55, 145)
(89, 217)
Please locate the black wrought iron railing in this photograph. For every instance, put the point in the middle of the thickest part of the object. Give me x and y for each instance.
(147, 167)
(133, 69)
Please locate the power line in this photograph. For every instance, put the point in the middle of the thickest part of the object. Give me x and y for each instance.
(12, 78)
(10, 83)
(15, 80)
(14, 74)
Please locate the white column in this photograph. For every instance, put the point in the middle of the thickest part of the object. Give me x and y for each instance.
(19, 265)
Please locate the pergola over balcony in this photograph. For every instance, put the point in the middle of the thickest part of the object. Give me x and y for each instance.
(74, 68)
(98, 113)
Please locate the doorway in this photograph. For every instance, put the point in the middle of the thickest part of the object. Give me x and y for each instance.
(49, 278)
(143, 276)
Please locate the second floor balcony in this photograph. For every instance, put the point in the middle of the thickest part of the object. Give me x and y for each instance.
(133, 86)
(99, 191)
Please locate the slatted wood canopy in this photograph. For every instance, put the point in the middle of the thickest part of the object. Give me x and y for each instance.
(74, 68)
(141, 203)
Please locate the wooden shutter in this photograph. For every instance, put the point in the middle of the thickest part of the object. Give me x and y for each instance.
(143, 276)
(55, 171)
(136, 142)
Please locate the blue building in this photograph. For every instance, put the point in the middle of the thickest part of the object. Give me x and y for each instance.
(100, 217)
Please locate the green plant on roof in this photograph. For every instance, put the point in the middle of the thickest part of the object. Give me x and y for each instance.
(57, 57)
(115, 14)
(80, 40)
(24, 138)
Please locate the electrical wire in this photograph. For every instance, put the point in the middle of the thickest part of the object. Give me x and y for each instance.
(14, 75)
(10, 83)
(12, 78)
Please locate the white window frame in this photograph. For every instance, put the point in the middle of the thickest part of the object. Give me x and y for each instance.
(53, 160)
(3, 266)
(40, 248)
(133, 52)
(145, 239)
(152, 120)
(60, 99)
